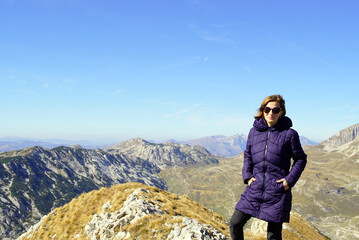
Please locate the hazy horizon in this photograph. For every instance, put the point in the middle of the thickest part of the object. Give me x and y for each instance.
(113, 141)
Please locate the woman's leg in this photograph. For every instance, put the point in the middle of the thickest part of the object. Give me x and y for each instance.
(274, 231)
(236, 224)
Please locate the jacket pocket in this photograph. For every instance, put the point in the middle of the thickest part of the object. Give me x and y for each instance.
(279, 186)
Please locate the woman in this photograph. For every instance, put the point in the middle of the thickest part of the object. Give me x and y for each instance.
(270, 146)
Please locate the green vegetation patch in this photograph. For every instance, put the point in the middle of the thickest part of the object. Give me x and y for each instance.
(18, 187)
(4, 160)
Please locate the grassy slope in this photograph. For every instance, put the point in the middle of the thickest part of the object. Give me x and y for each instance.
(218, 187)
(326, 190)
(70, 220)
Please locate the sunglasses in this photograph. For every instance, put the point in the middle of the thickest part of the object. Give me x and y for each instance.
(275, 110)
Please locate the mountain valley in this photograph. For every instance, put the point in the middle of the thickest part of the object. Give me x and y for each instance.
(326, 194)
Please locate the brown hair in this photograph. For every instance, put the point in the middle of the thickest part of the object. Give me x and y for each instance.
(272, 98)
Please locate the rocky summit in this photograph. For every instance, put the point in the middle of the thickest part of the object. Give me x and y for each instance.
(36, 180)
(130, 211)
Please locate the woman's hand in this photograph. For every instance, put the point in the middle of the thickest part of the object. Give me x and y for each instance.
(285, 184)
(251, 180)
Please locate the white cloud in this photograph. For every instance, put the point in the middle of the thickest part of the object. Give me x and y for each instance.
(118, 92)
(221, 40)
(184, 112)
(246, 68)
(210, 37)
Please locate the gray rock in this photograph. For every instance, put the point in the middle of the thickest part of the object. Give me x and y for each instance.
(137, 206)
(342, 137)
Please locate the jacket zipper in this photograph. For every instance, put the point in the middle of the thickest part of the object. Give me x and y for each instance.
(265, 169)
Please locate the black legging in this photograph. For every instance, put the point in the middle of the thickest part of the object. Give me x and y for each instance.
(239, 219)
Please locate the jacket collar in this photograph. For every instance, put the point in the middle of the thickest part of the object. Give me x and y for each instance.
(284, 123)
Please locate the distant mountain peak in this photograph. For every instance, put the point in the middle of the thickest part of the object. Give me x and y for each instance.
(131, 142)
(139, 140)
(76, 146)
(164, 154)
(221, 145)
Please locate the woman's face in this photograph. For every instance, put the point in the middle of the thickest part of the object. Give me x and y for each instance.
(270, 117)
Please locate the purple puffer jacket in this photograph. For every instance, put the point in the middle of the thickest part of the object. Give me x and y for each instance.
(267, 158)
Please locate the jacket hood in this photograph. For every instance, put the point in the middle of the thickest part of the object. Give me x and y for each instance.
(284, 123)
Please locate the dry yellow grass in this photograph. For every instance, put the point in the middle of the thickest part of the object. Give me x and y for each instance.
(298, 229)
(70, 220)
(301, 229)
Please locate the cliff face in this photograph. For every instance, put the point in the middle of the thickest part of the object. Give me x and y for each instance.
(344, 136)
(36, 180)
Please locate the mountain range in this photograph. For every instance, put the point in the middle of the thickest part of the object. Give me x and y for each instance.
(227, 146)
(220, 145)
(16, 143)
(36, 180)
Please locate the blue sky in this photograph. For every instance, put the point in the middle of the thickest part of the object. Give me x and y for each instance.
(114, 70)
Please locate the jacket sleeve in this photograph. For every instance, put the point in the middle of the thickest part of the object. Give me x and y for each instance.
(247, 170)
(299, 159)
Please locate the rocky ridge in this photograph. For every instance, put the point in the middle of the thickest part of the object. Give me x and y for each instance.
(342, 137)
(351, 148)
(164, 155)
(36, 180)
(130, 211)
